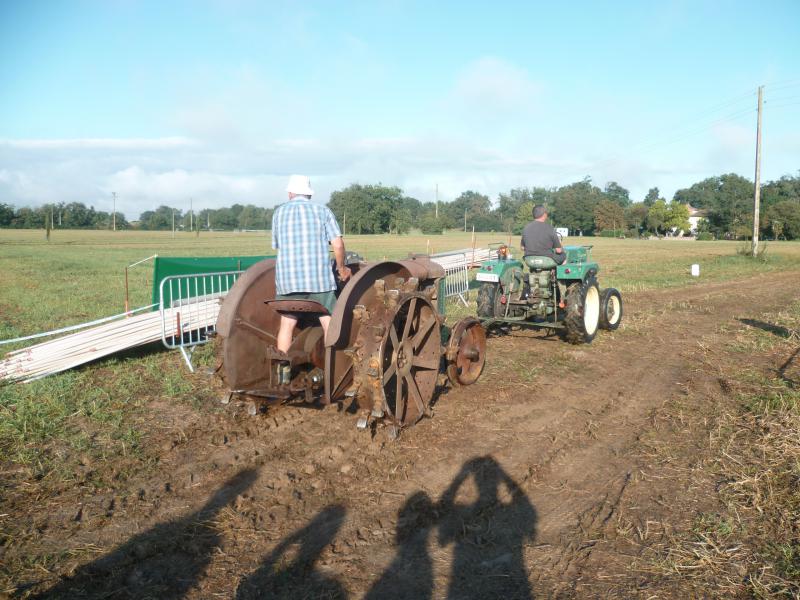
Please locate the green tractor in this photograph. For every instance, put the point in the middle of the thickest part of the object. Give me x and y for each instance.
(537, 292)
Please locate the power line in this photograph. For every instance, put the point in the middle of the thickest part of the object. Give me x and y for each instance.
(683, 136)
(781, 98)
(773, 106)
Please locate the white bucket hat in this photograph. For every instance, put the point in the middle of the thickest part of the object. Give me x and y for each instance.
(300, 184)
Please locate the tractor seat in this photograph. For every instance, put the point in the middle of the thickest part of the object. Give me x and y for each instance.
(540, 262)
(309, 307)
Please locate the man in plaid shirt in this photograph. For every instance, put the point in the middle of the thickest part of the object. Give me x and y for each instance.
(301, 231)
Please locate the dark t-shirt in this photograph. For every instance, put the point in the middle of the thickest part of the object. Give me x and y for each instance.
(539, 239)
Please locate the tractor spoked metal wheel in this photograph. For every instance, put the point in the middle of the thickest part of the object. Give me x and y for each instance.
(410, 356)
(583, 312)
(610, 309)
(466, 352)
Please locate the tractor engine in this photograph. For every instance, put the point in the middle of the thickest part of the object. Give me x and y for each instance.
(540, 292)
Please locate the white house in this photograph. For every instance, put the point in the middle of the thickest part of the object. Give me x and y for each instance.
(695, 215)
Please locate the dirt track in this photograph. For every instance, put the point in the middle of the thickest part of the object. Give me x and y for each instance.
(517, 487)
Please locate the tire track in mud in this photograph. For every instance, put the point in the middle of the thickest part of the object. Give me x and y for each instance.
(580, 479)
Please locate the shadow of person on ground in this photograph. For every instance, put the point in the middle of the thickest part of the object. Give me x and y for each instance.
(778, 330)
(784, 369)
(164, 562)
(488, 534)
(281, 576)
(410, 575)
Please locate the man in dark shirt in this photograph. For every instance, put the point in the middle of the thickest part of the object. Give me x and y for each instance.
(540, 239)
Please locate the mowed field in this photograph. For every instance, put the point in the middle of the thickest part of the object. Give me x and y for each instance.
(657, 461)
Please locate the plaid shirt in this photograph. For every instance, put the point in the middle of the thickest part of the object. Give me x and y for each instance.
(301, 231)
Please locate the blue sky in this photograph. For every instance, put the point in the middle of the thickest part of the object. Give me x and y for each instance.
(221, 101)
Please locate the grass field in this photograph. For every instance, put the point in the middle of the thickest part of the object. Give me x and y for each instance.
(79, 275)
(101, 426)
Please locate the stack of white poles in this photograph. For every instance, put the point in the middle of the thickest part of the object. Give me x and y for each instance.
(464, 258)
(78, 348)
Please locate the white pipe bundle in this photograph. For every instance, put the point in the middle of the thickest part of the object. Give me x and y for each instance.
(464, 258)
(76, 349)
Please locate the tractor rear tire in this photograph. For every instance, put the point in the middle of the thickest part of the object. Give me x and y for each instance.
(583, 312)
(610, 309)
(487, 298)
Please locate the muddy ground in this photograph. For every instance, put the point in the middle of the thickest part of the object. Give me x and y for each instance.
(546, 478)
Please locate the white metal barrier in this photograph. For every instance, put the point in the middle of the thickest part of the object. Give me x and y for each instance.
(456, 281)
(189, 305)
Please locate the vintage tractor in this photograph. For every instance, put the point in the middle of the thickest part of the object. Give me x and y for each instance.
(563, 298)
(386, 345)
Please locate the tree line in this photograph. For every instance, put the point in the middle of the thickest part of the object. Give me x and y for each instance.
(74, 215)
(726, 202)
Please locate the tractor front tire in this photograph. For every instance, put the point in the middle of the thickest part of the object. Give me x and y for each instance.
(610, 309)
(582, 317)
(488, 295)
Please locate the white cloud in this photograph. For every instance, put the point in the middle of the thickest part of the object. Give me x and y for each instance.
(492, 87)
(101, 143)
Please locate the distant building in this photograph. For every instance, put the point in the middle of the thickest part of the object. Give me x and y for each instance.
(695, 215)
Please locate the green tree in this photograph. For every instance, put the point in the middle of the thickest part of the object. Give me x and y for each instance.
(617, 194)
(524, 214)
(508, 206)
(636, 216)
(677, 217)
(784, 219)
(429, 224)
(651, 197)
(470, 204)
(728, 199)
(6, 215)
(573, 206)
(785, 188)
(251, 217)
(608, 215)
(159, 219)
(224, 218)
(369, 208)
(657, 216)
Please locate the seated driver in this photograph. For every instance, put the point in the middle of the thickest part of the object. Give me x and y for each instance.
(301, 231)
(540, 239)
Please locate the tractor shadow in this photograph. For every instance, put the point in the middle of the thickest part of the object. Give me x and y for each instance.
(164, 562)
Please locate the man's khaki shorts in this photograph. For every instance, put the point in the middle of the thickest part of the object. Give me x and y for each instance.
(327, 299)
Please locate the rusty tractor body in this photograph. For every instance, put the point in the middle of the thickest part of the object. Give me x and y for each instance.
(384, 348)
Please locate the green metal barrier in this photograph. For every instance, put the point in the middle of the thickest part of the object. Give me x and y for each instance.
(167, 266)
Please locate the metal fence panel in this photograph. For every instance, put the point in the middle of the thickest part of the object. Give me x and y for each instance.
(456, 281)
(189, 305)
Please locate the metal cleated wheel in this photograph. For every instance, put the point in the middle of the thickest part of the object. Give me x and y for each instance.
(409, 359)
(582, 312)
(610, 309)
(466, 352)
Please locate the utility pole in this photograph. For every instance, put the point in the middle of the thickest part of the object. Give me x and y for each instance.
(465, 220)
(757, 194)
(173, 222)
(191, 216)
(114, 213)
(437, 200)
